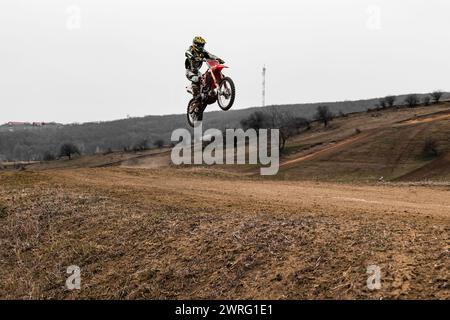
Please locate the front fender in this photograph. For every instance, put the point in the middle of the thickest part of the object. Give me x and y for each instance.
(217, 70)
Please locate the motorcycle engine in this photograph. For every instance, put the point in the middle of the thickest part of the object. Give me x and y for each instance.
(211, 97)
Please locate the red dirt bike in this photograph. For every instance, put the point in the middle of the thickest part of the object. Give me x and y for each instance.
(214, 86)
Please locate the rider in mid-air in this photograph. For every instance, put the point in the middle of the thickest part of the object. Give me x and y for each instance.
(194, 61)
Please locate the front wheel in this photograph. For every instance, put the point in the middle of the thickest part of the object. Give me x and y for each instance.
(226, 93)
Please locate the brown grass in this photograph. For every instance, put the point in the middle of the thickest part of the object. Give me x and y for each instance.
(169, 233)
(141, 229)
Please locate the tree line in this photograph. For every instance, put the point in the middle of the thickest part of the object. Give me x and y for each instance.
(137, 134)
(412, 100)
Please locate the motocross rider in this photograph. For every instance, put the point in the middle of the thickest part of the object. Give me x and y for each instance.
(193, 63)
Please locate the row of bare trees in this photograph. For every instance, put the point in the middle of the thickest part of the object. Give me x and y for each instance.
(412, 100)
(69, 149)
(285, 122)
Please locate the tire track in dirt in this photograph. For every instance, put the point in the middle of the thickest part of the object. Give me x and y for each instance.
(432, 117)
(407, 147)
(132, 159)
(325, 150)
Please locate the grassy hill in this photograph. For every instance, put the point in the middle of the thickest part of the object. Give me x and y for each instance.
(385, 145)
(30, 143)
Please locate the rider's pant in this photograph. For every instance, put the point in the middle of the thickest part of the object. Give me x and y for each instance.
(194, 77)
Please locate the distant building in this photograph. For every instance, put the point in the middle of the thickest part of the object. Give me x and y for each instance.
(16, 123)
(38, 124)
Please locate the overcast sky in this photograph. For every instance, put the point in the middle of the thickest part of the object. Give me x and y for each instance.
(90, 60)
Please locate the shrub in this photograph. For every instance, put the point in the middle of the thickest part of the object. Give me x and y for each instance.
(159, 143)
(430, 148)
(3, 210)
(141, 146)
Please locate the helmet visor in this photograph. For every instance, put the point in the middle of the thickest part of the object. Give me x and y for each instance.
(200, 46)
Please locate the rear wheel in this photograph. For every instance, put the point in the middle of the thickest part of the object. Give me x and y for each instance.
(226, 94)
(193, 117)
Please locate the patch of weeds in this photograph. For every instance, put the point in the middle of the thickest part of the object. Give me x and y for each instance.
(3, 211)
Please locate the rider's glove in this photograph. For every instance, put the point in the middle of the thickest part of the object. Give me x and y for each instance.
(221, 61)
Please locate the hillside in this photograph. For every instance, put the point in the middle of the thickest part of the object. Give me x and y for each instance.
(384, 145)
(30, 142)
(372, 146)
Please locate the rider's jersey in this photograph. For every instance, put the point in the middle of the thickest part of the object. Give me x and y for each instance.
(194, 60)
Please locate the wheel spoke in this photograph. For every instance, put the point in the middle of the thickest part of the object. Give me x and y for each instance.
(225, 90)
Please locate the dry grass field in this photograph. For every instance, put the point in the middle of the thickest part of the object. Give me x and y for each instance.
(140, 228)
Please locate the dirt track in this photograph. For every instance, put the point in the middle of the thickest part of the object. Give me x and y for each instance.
(179, 233)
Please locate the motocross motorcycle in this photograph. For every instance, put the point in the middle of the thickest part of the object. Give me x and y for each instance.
(214, 87)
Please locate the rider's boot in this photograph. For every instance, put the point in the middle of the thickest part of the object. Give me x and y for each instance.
(195, 107)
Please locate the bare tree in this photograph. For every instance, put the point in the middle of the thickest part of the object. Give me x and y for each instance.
(436, 96)
(68, 149)
(257, 120)
(382, 103)
(390, 101)
(412, 100)
(426, 100)
(287, 124)
(324, 115)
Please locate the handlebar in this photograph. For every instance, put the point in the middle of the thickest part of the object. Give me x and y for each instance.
(206, 60)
